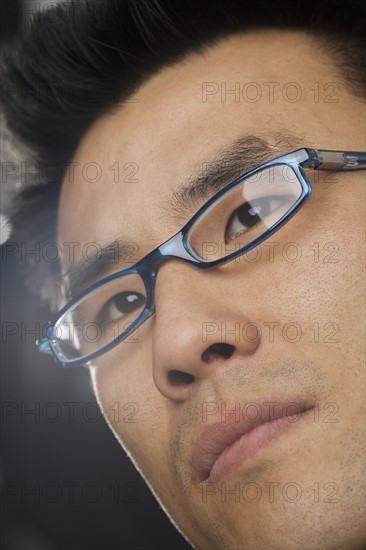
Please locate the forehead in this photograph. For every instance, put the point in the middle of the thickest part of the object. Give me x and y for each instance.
(131, 159)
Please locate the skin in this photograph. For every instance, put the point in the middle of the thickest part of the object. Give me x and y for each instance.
(169, 133)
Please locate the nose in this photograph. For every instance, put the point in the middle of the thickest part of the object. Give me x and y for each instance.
(199, 329)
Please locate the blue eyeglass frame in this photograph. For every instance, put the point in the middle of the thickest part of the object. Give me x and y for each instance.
(179, 248)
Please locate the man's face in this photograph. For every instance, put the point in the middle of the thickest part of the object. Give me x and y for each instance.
(291, 314)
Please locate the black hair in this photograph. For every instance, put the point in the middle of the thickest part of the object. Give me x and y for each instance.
(76, 61)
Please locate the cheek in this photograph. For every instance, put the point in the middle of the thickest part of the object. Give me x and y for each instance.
(340, 266)
(331, 232)
(315, 274)
(130, 401)
(327, 280)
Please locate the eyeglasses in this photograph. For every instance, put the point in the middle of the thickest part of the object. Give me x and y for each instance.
(238, 218)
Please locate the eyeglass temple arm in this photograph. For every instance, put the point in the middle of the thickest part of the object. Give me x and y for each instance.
(321, 159)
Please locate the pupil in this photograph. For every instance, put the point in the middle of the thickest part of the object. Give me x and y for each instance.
(127, 302)
(248, 215)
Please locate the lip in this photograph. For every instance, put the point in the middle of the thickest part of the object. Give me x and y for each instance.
(221, 447)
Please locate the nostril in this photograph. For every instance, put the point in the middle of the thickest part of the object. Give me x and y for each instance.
(217, 350)
(180, 378)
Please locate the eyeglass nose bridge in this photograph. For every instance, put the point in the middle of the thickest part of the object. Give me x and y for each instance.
(176, 248)
(173, 248)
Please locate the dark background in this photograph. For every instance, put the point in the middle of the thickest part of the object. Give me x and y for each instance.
(66, 482)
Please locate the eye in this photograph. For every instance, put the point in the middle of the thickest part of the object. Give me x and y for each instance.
(121, 305)
(251, 214)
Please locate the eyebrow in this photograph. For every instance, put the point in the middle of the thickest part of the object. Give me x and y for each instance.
(241, 156)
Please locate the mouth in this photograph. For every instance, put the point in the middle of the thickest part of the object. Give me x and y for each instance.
(222, 447)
